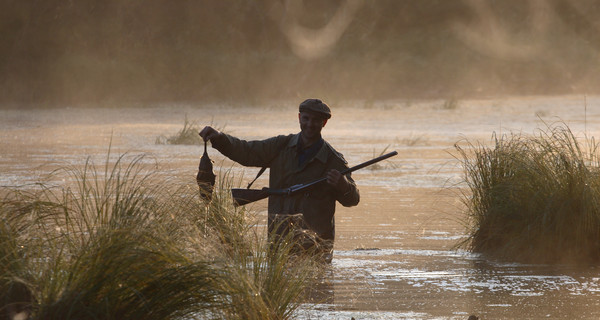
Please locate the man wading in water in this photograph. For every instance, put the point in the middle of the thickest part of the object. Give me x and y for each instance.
(295, 159)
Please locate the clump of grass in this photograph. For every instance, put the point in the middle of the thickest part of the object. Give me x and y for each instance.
(268, 281)
(379, 165)
(534, 198)
(119, 243)
(188, 135)
(107, 247)
(262, 280)
(450, 104)
(413, 140)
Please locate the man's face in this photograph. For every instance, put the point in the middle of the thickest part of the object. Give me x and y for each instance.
(311, 124)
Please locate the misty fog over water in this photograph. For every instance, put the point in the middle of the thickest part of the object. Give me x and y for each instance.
(112, 53)
(395, 253)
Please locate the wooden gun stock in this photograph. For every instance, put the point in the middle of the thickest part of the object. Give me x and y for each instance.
(245, 196)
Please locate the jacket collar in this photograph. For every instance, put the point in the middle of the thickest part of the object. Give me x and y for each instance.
(321, 154)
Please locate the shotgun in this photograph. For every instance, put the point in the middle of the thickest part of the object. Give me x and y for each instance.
(244, 196)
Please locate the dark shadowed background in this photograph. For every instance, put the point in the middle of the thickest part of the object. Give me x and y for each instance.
(106, 52)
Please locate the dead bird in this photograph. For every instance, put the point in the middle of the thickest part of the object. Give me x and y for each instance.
(206, 176)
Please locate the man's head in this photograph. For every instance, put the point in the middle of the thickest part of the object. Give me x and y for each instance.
(313, 116)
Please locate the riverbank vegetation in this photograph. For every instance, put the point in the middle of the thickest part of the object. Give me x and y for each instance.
(188, 135)
(534, 198)
(117, 242)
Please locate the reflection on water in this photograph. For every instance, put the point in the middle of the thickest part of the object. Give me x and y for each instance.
(428, 284)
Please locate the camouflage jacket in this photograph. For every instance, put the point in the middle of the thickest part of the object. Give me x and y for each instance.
(280, 155)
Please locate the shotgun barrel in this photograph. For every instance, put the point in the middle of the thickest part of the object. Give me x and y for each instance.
(244, 196)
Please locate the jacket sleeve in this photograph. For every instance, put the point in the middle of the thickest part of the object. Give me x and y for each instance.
(351, 197)
(255, 153)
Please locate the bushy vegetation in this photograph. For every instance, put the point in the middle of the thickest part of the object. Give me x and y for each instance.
(119, 243)
(188, 135)
(534, 198)
(380, 165)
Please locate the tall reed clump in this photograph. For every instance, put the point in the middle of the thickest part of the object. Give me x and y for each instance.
(188, 135)
(534, 198)
(261, 280)
(119, 243)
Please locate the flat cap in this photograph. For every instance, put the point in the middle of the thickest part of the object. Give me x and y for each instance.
(316, 106)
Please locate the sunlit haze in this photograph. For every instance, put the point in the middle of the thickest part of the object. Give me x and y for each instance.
(143, 52)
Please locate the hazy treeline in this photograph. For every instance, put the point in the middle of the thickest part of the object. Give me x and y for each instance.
(63, 52)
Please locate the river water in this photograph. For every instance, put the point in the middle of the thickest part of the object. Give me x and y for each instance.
(396, 254)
